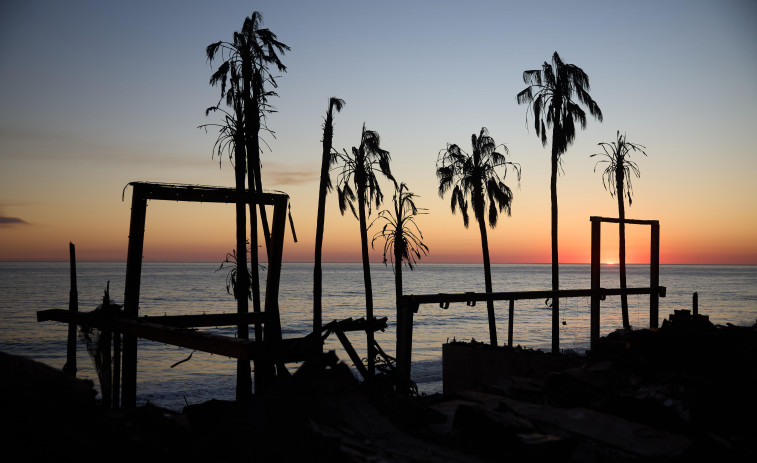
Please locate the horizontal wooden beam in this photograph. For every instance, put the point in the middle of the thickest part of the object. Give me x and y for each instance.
(348, 324)
(617, 220)
(287, 350)
(204, 320)
(415, 299)
(178, 321)
(190, 339)
(203, 194)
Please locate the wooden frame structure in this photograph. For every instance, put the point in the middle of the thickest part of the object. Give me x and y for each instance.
(266, 352)
(142, 192)
(655, 290)
(409, 304)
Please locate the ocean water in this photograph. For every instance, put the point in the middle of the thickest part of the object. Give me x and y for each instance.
(727, 294)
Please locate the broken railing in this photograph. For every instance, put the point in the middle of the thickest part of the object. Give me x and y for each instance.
(408, 304)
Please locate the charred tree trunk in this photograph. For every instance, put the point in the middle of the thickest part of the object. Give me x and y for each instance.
(619, 177)
(328, 133)
(367, 280)
(487, 276)
(241, 288)
(555, 254)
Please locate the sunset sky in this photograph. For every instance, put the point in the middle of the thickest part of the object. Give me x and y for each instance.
(97, 94)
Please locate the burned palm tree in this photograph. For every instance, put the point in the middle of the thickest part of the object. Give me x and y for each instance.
(327, 159)
(357, 185)
(249, 56)
(616, 178)
(403, 240)
(474, 177)
(555, 94)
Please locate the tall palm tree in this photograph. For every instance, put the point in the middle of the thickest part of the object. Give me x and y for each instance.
(555, 94)
(249, 55)
(617, 179)
(327, 159)
(474, 177)
(357, 182)
(402, 237)
(258, 48)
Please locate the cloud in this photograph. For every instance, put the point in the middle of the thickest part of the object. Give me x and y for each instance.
(280, 174)
(11, 221)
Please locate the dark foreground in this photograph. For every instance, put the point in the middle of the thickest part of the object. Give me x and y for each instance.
(685, 392)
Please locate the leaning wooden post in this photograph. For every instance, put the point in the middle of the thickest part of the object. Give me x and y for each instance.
(596, 239)
(131, 295)
(510, 314)
(654, 277)
(73, 305)
(695, 304)
(272, 326)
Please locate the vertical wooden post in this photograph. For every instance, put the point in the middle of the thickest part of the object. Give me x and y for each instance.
(695, 304)
(73, 305)
(510, 314)
(116, 396)
(405, 311)
(596, 240)
(131, 294)
(272, 326)
(654, 277)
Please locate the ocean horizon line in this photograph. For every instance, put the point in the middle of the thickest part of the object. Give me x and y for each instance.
(419, 264)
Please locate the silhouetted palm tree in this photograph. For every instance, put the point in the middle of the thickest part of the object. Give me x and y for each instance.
(402, 237)
(250, 53)
(258, 48)
(555, 94)
(475, 176)
(617, 179)
(357, 182)
(327, 159)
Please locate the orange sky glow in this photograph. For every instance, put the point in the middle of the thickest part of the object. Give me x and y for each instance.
(68, 150)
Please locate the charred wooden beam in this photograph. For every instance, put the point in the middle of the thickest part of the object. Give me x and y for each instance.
(617, 220)
(348, 324)
(190, 339)
(205, 320)
(518, 295)
(202, 194)
(356, 360)
(73, 305)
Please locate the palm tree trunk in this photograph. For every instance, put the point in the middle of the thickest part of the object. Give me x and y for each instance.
(398, 267)
(244, 382)
(320, 223)
(488, 280)
(252, 128)
(622, 244)
(555, 258)
(367, 280)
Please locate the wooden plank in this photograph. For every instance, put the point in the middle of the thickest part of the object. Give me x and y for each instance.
(654, 275)
(596, 239)
(204, 320)
(190, 339)
(351, 352)
(616, 220)
(510, 322)
(518, 295)
(131, 297)
(203, 194)
(73, 305)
